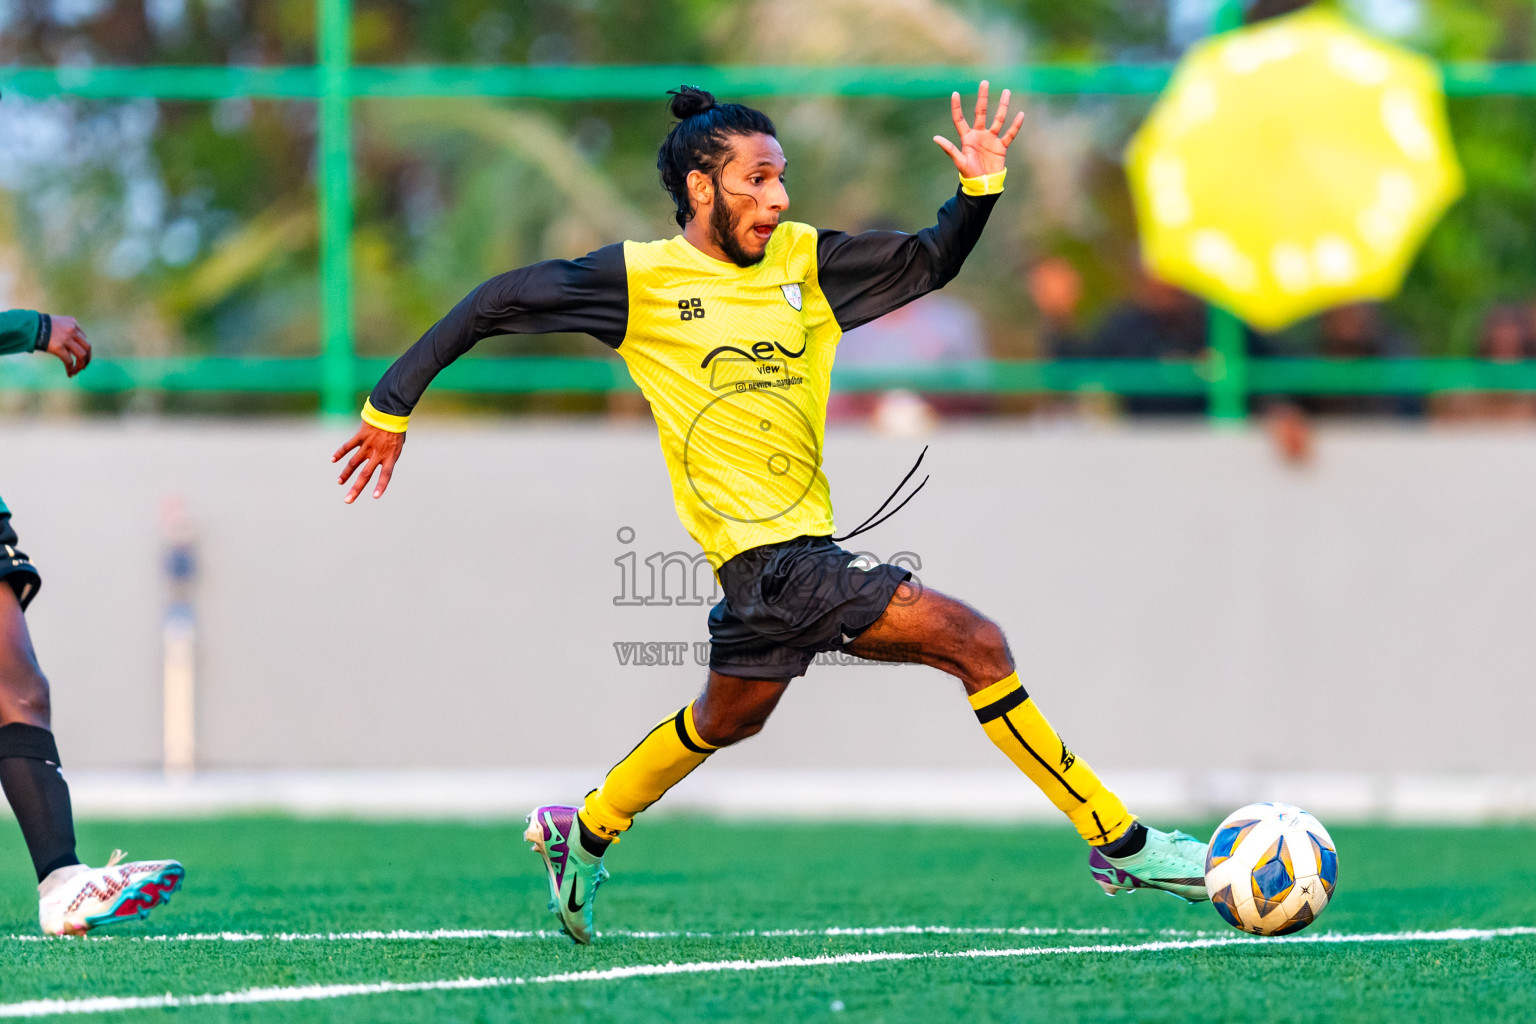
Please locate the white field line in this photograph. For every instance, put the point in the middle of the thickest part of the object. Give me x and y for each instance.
(310, 993)
(440, 934)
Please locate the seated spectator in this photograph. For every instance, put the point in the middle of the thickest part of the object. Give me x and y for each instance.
(936, 328)
(1159, 321)
(1506, 337)
(1057, 290)
(1360, 330)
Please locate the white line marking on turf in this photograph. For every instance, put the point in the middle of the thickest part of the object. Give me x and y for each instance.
(310, 993)
(405, 935)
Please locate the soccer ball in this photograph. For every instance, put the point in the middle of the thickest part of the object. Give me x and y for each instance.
(1271, 869)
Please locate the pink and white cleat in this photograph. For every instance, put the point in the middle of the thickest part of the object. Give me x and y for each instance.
(75, 899)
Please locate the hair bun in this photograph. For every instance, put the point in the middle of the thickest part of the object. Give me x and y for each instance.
(690, 100)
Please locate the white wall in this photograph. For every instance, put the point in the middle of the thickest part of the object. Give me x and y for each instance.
(1177, 599)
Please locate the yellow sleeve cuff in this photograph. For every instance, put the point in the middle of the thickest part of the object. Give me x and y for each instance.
(985, 185)
(383, 420)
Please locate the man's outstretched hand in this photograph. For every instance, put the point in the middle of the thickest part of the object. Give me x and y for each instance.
(983, 149)
(66, 343)
(373, 449)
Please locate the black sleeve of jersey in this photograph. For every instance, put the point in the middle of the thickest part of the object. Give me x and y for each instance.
(866, 276)
(589, 295)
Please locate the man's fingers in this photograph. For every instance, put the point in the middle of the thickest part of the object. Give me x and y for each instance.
(355, 440)
(66, 355)
(1013, 132)
(957, 114)
(981, 106)
(82, 351)
(361, 457)
(948, 147)
(362, 481)
(384, 475)
(1002, 113)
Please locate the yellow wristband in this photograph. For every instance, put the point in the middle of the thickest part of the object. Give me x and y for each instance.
(383, 420)
(985, 185)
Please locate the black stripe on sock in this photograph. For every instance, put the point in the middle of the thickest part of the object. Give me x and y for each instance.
(1103, 834)
(1043, 762)
(593, 843)
(1000, 707)
(682, 734)
(1130, 843)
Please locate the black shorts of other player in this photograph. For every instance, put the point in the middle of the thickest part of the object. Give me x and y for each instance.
(787, 602)
(15, 568)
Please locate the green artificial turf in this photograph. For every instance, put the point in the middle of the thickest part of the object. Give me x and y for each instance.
(269, 876)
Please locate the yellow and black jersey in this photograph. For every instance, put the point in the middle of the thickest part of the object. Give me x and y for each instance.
(735, 361)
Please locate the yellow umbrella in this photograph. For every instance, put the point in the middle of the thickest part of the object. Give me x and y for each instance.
(1292, 166)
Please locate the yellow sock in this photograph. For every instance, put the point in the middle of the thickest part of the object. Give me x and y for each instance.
(1012, 721)
(662, 760)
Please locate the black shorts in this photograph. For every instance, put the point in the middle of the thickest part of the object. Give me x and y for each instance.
(15, 568)
(787, 602)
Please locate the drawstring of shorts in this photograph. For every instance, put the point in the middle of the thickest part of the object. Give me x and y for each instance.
(866, 525)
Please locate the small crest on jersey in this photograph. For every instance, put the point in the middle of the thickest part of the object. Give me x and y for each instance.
(791, 295)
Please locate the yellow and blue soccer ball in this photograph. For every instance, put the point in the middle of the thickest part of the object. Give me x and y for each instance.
(1271, 869)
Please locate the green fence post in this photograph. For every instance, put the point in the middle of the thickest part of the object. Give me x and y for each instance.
(1228, 367)
(1227, 340)
(338, 371)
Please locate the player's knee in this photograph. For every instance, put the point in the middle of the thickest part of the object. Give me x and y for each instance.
(986, 649)
(24, 697)
(722, 730)
(739, 732)
(726, 734)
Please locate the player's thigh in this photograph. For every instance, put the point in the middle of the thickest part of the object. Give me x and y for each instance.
(23, 689)
(732, 708)
(922, 625)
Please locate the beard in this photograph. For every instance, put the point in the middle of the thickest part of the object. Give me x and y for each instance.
(723, 222)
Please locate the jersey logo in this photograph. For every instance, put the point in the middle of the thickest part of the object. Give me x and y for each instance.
(692, 309)
(791, 295)
(760, 350)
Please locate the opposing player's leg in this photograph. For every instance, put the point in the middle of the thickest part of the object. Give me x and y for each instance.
(29, 758)
(72, 898)
(933, 629)
(572, 841)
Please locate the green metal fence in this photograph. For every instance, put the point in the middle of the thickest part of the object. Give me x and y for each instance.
(1227, 375)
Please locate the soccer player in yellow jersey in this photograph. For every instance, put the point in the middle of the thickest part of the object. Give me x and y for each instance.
(730, 329)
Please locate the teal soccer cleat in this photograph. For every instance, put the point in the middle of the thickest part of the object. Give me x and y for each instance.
(574, 874)
(1171, 861)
